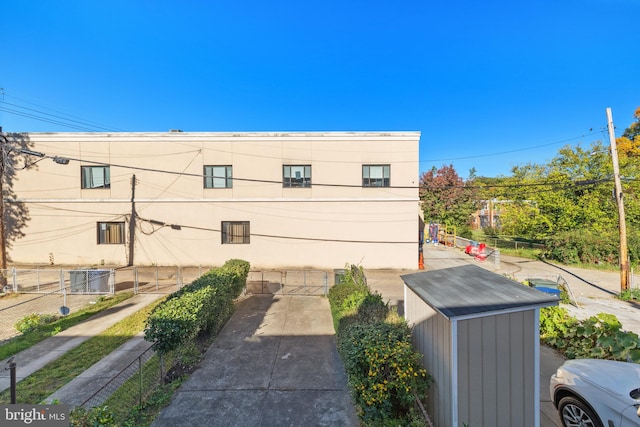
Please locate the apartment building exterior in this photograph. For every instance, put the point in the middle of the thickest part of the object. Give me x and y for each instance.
(291, 199)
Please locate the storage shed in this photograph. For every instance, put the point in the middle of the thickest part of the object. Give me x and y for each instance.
(478, 332)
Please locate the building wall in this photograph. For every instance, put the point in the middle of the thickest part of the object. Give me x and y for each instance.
(334, 222)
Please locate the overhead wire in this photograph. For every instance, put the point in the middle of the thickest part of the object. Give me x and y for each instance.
(65, 118)
(162, 224)
(89, 126)
(280, 182)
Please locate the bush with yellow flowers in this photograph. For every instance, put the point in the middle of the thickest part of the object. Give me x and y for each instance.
(384, 372)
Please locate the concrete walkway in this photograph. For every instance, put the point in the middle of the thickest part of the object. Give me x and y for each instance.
(274, 363)
(50, 349)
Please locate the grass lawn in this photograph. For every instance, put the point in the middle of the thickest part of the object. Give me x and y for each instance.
(47, 380)
(22, 342)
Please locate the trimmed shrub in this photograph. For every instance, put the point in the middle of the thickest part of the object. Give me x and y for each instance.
(204, 305)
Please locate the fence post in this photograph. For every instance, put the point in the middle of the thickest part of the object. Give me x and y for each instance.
(135, 280)
(140, 374)
(283, 281)
(161, 368)
(326, 283)
(112, 281)
(14, 278)
(157, 273)
(61, 280)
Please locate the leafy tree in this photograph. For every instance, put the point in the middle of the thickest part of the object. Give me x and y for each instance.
(569, 201)
(629, 143)
(572, 191)
(447, 198)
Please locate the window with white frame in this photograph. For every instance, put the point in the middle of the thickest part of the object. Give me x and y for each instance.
(296, 176)
(235, 232)
(95, 177)
(376, 175)
(218, 177)
(111, 233)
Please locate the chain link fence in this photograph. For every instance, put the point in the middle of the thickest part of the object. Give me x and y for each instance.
(44, 280)
(512, 244)
(14, 307)
(289, 282)
(46, 291)
(156, 279)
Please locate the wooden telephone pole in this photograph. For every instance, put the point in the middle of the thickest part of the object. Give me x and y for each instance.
(624, 257)
(3, 231)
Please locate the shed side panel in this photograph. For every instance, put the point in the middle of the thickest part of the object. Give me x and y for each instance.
(496, 370)
(489, 370)
(531, 333)
(503, 367)
(432, 338)
(465, 356)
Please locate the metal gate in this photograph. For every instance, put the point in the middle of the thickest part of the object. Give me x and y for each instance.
(288, 282)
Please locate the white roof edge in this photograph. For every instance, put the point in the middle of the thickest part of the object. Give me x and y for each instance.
(229, 134)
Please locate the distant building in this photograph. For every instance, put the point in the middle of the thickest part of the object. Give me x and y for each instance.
(295, 199)
(488, 215)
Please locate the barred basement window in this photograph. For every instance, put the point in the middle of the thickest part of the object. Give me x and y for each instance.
(110, 233)
(376, 175)
(296, 176)
(218, 177)
(95, 177)
(235, 232)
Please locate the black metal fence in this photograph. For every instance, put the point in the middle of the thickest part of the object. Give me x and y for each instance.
(131, 386)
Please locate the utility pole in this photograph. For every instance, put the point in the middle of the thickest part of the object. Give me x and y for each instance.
(3, 231)
(132, 220)
(624, 261)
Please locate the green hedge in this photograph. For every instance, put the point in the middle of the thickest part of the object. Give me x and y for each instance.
(204, 305)
(586, 247)
(384, 372)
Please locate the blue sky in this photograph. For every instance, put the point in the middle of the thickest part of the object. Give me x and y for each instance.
(490, 84)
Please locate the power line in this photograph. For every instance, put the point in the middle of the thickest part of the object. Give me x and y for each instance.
(89, 126)
(266, 181)
(162, 224)
(60, 115)
(59, 119)
(506, 152)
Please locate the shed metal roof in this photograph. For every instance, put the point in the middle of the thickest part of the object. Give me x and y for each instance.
(470, 291)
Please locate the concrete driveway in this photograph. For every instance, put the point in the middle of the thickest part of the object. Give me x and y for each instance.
(274, 363)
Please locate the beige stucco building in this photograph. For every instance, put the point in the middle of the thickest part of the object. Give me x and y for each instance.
(292, 199)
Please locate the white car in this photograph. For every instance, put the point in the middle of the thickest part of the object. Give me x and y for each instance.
(597, 393)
